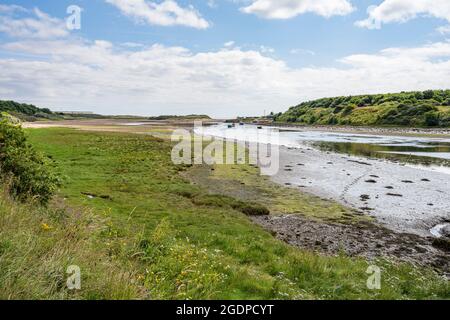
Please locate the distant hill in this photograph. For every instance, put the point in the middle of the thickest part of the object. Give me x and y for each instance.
(25, 111)
(415, 109)
(187, 117)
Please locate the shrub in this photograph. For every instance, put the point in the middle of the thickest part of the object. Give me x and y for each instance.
(431, 119)
(27, 171)
(429, 94)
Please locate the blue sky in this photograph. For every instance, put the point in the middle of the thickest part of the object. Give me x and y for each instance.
(222, 57)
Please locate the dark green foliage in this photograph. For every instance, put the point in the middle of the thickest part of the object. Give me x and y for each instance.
(220, 201)
(187, 117)
(27, 171)
(27, 112)
(417, 109)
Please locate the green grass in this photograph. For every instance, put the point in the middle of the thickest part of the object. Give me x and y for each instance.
(169, 246)
(37, 245)
(244, 183)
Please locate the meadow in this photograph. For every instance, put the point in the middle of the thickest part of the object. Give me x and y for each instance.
(141, 227)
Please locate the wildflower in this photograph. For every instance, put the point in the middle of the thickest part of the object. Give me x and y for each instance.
(45, 227)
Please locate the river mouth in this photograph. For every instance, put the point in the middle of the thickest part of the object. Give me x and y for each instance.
(430, 153)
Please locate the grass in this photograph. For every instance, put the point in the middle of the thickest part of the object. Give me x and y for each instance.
(239, 181)
(159, 236)
(37, 246)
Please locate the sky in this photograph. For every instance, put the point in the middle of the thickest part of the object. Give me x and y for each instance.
(224, 58)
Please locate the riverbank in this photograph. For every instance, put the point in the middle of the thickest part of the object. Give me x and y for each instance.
(403, 198)
(179, 240)
(400, 131)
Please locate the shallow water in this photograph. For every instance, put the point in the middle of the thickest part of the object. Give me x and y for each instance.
(430, 153)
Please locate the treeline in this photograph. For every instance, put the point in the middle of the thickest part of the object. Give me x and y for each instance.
(27, 112)
(417, 109)
(186, 117)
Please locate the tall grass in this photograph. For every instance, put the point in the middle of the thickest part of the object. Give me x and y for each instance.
(37, 245)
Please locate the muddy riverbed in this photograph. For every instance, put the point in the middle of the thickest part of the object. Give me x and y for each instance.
(404, 196)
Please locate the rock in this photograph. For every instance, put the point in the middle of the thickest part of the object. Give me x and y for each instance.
(445, 231)
(364, 197)
(360, 162)
(442, 243)
(394, 194)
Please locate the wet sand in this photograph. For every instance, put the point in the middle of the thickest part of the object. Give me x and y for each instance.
(402, 198)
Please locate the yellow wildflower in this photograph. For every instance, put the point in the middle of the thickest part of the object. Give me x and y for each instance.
(45, 227)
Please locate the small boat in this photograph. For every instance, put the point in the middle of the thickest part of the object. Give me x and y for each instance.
(241, 123)
(259, 127)
(230, 126)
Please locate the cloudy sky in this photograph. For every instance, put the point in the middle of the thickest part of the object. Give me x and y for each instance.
(220, 57)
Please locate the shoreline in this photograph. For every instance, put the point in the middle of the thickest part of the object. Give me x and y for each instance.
(400, 131)
(404, 199)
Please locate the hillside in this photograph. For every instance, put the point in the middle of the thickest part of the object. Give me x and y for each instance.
(25, 111)
(186, 117)
(414, 109)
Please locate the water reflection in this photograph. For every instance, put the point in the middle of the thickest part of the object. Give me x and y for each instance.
(424, 151)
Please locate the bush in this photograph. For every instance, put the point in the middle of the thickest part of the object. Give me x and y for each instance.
(28, 172)
(431, 119)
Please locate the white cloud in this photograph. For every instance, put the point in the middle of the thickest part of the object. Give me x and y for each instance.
(36, 24)
(302, 51)
(114, 79)
(265, 49)
(5, 8)
(286, 9)
(443, 29)
(390, 11)
(229, 44)
(159, 79)
(166, 13)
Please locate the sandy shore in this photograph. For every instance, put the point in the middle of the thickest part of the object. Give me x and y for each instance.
(402, 198)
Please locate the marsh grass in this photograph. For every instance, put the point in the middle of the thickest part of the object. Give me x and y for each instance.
(37, 245)
(149, 239)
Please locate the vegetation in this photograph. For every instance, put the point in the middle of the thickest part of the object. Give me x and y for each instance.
(186, 117)
(27, 172)
(27, 112)
(144, 231)
(37, 245)
(414, 109)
